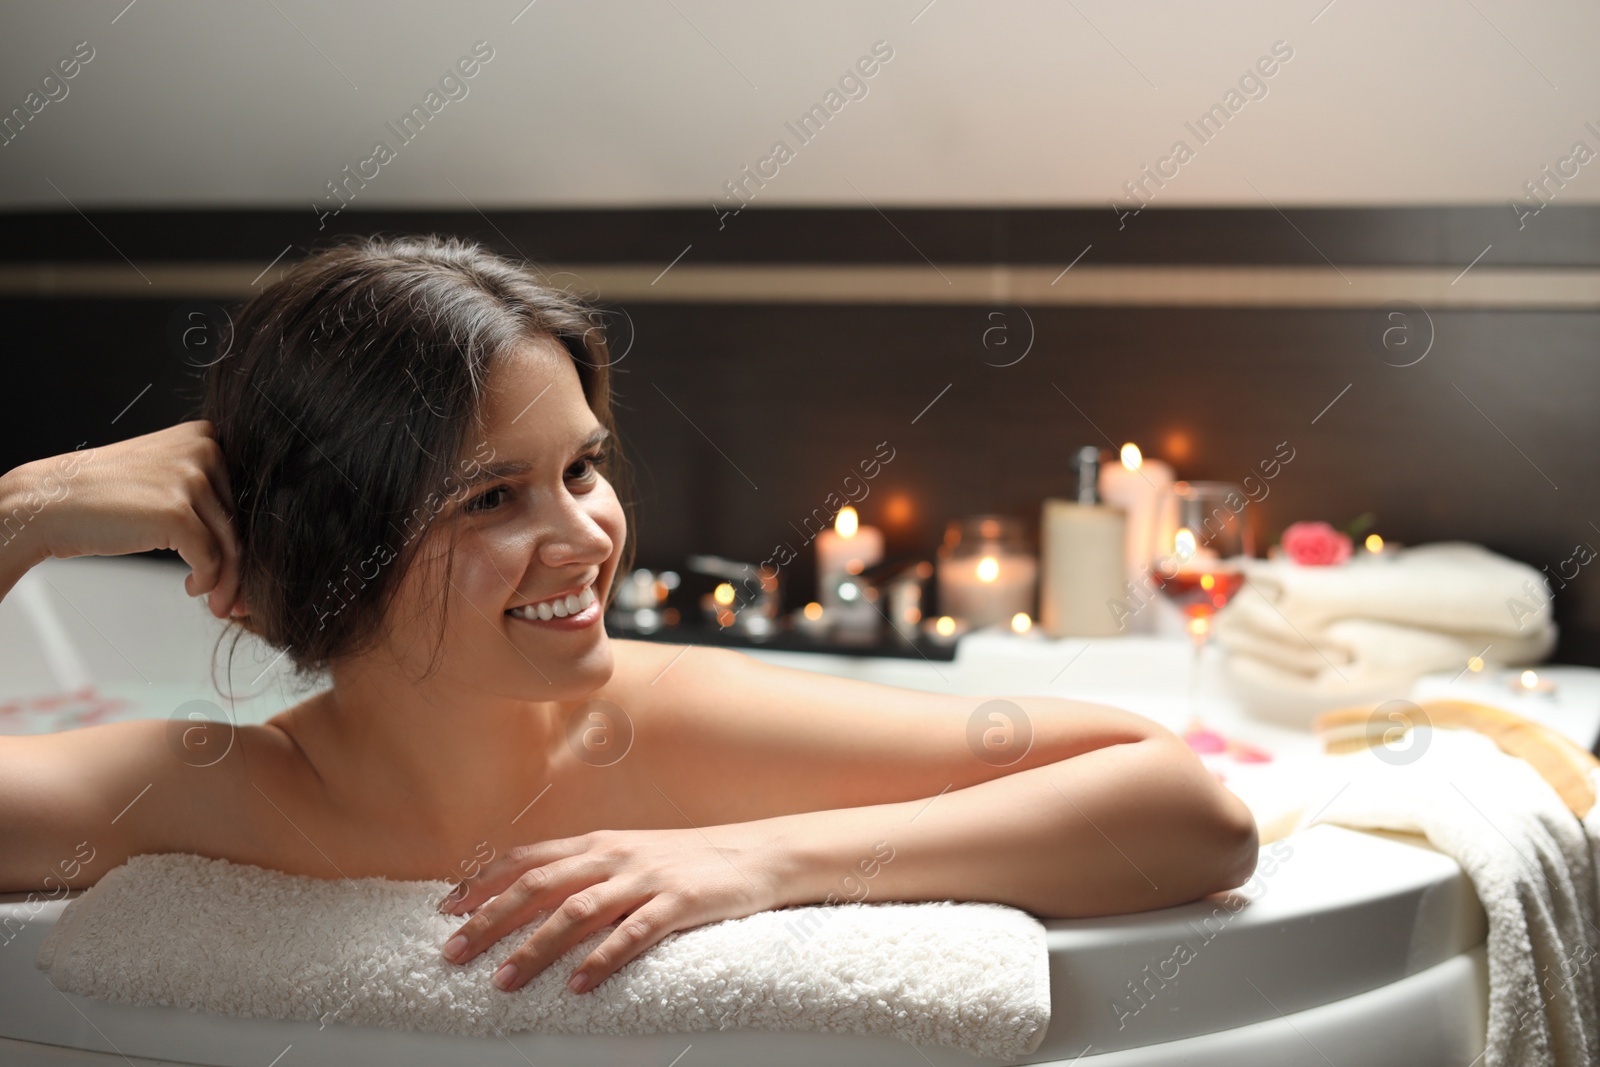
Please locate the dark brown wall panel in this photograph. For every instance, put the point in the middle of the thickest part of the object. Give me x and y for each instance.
(1493, 437)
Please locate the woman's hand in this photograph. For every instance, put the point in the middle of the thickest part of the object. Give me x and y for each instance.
(167, 489)
(650, 882)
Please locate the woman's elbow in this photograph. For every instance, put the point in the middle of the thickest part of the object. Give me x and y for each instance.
(1214, 845)
(1162, 832)
(1238, 845)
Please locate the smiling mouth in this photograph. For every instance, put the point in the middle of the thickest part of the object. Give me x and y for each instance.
(557, 607)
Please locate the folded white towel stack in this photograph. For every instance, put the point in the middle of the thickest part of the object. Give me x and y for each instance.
(233, 939)
(1302, 640)
(1535, 867)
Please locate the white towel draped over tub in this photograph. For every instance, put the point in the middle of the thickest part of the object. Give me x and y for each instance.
(233, 939)
(1533, 864)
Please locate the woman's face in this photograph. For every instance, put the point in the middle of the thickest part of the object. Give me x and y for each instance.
(533, 519)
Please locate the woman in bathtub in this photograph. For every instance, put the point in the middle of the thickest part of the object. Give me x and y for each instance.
(403, 481)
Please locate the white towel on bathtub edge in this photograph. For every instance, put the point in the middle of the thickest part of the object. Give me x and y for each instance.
(215, 936)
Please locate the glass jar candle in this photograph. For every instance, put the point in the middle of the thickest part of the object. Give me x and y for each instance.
(987, 571)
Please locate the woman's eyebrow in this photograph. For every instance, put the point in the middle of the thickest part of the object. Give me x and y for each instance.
(512, 468)
(499, 470)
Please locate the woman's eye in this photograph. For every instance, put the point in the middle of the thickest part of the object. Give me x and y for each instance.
(592, 462)
(487, 501)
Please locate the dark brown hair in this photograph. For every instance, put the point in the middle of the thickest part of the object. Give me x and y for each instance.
(349, 395)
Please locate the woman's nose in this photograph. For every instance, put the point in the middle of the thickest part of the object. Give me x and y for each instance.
(578, 538)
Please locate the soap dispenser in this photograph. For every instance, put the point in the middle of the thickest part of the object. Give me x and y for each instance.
(1081, 559)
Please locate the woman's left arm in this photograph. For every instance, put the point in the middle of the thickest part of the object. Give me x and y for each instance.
(1127, 825)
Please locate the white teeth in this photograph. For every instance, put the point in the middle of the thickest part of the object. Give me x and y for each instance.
(558, 608)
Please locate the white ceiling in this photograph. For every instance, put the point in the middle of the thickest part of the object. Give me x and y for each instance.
(658, 102)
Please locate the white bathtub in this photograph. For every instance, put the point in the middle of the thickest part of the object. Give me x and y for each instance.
(1364, 949)
(1357, 947)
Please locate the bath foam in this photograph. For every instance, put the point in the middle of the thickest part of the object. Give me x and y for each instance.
(233, 939)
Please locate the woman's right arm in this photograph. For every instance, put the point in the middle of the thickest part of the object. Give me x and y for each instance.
(110, 790)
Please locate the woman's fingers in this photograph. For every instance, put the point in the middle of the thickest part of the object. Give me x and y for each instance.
(579, 915)
(648, 882)
(531, 892)
(225, 589)
(216, 507)
(196, 544)
(497, 875)
(215, 465)
(634, 933)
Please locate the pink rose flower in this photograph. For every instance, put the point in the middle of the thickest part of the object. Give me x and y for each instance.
(1315, 544)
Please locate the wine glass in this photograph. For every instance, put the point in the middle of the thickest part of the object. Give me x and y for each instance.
(1203, 571)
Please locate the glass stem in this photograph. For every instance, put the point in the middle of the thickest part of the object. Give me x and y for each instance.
(1197, 665)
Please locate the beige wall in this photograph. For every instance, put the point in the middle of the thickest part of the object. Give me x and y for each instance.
(657, 102)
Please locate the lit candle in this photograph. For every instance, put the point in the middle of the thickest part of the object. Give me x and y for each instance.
(988, 588)
(811, 619)
(1188, 554)
(848, 548)
(1376, 548)
(1529, 683)
(1142, 488)
(944, 630)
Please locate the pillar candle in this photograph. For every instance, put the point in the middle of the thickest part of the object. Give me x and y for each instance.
(848, 548)
(1142, 488)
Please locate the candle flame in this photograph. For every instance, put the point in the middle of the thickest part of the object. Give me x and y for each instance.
(946, 626)
(1374, 543)
(1183, 543)
(1530, 680)
(723, 594)
(1208, 582)
(1475, 664)
(988, 569)
(1020, 623)
(813, 611)
(847, 522)
(1132, 458)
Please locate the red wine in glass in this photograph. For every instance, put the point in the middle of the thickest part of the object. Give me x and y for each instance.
(1203, 592)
